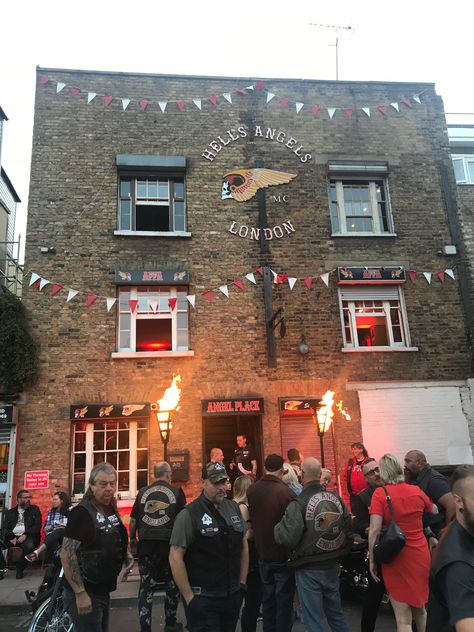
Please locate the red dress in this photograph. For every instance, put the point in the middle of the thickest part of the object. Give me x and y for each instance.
(406, 577)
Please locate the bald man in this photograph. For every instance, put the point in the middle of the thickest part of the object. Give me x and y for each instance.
(451, 605)
(216, 455)
(436, 487)
(315, 531)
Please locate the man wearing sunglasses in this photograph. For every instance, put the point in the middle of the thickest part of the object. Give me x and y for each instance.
(21, 528)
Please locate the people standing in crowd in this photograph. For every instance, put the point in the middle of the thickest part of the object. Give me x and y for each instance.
(216, 456)
(94, 550)
(253, 595)
(375, 589)
(294, 457)
(268, 499)
(209, 556)
(245, 459)
(406, 576)
(435, 485)
(21, 528)
(290, 478)
(54, 525)
(451, 605)
(353, 476)
(154, 511)
(326, 477)
(315, 532)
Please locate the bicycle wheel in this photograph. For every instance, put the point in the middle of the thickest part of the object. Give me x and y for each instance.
(59, 621)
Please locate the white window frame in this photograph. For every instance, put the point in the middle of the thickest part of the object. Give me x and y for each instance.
(464, 160)
(132, 449)
(383, 293)
(172, 315)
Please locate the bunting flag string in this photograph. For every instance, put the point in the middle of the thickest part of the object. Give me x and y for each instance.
(145, 103)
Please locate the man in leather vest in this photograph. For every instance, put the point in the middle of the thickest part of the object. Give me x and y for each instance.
(451, 605)
(315, 531)
(209, 556)
(154, 511)
(93, 552)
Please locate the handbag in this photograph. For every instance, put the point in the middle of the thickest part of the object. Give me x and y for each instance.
(391, 540)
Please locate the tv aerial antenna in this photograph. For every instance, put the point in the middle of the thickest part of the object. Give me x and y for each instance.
(337, 29)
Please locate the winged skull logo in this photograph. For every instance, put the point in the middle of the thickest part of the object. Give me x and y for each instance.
(243, 184)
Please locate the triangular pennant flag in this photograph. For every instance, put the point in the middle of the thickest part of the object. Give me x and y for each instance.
(298, 106)
(125, 104)
(239, 283)
(71, 294)
(227, 96)
(43, 282)
(107, 101)
(143, 104)
(153, 305)
(291, 282)
(251, 277)
(110, 303)
(308, 281)
(198, 103)
(180, 105)
(163, 105)
(57, 287)
(242, 91)
(325, 278)
(412, 274)
(331, 112)
(450, 273)
(75, 92)
(191, 298)
(270, 96)
(36, 286)
(44, 80)
(366, 111)
(90, 299)
(348, 112)
(224, 289)
(59, 87)
(280, 278)
(213, 99)
(275, 275)
(416, 98)
(260, 271)
(314, 110)
(250, 88)
(427, 276)
(440, 276)
(34, 278)
(284, 101)
(91, 96)
(133, 305)
(382, 109)
(259, 85)
(407, 101)
(172, 302)
(395, 106)
(208, 294)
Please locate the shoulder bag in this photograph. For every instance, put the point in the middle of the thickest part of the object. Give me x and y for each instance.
(391, 540)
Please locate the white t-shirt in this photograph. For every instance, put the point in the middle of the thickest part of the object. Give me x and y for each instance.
(20, 525)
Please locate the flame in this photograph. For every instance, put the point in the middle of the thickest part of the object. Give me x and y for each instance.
(170, 399)
(325, 411)
(343, 411)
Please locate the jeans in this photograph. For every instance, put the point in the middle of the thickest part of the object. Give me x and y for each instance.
(152, 568)
(213, 614)
(253, 599)
(95, 621)
(278, 591)
(318, 591)
(28, 546)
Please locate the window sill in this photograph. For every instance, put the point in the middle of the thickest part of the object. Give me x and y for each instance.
(363, 234)
(119, 355)
(377, 349)
(151, 233)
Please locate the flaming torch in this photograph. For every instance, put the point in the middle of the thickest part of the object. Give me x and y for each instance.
(164, 409)
(324, 414)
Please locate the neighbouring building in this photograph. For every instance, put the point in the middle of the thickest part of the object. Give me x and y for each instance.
(183, 224)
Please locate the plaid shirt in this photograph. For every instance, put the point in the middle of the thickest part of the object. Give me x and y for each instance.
(55, 519)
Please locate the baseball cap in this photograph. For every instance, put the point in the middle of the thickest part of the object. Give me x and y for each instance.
(274, 462)
(215, 472)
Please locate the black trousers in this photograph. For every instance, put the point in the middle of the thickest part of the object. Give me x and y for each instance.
(252, 601)
(213, 614)
(28, 546)
(371, 604)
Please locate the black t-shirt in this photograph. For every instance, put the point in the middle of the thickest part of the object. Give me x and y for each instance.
(244, 456)
(457, 587)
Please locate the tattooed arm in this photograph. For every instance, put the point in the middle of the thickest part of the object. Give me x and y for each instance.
(73, 575)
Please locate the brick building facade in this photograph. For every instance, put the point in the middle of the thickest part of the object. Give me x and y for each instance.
(152, 199)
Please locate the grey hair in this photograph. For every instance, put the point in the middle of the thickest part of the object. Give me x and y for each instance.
(161, 469)
(101, 467)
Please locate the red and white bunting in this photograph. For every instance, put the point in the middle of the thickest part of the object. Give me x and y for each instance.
(450, 273)
(90, 299)
(314, 110)
(191, 298)
(238, 283)
(75, 91)
(366, 111)
(251, 277)
(172, 302)
(270, 96)
(125, 103)
(153, 305)
(34, 277)
(325, 278)
(110, 303)
(227, 96)
(133, 303)
(417, 99)
(412, 275)
(427, 276)
(225, 290)
(331, 112)
(57, 287)
(198, 103)
(308, 281)
(299, 106)
(208, 294)
(60, 87)
(395, 106)
(91, 96)
(143, 104)
(43, 282)
(163, 105)
(71, 294)
(108, 100)
(291, 282)
(440, 275)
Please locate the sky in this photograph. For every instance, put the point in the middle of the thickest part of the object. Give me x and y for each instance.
(404, 40)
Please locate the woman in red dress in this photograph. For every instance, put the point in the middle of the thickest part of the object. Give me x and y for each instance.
(406, 576)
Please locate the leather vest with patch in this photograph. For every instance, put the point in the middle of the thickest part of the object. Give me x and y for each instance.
(157, 507)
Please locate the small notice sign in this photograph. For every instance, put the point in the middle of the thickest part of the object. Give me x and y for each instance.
(37, 479)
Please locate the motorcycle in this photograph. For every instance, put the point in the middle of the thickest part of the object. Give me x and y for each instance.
(354, 568)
